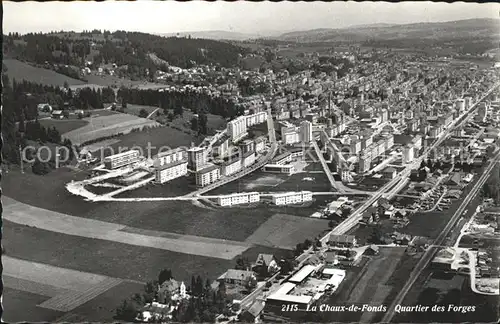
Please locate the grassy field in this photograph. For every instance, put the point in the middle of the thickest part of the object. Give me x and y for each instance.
(103, 126)
(285, 231)
(135, 109)
(20, 306)
(160, 138)
(21, 213)
(102, 308)
(110, 258)
(22, 71)
(183, 122)
(105, 257)
(64, 125)
(273, 182)
(176, 217)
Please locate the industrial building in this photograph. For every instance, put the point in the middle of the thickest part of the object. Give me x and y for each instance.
(303, 290)
(121, 159)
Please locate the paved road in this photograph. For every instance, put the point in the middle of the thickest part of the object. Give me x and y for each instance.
(429, 254)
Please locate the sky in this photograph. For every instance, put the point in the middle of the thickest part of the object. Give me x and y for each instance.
(244, 17)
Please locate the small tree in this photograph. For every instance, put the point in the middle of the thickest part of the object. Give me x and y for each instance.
(127, 311)
(143, 113)
(164, 275)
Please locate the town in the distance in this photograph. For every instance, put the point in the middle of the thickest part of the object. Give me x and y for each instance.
(307, 177)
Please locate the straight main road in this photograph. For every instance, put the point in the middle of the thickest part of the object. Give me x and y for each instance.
(429, 254)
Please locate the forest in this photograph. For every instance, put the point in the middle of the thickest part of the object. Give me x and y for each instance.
(129, 49)
(197, 102)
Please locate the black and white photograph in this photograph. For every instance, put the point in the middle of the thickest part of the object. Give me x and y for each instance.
(250, 162)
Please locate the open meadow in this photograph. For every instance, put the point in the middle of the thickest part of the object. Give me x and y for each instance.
(103, 126)
(64, 125)
(22, 71)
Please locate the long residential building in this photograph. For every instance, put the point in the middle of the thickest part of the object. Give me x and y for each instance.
(231, 166)
(290, 198)
(238, 198)
(121, 159)
(170, 171)
(170, 165)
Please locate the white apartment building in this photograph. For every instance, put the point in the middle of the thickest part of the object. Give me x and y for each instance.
(365, 162)
(170, 156)
(482, 112)
(306, 131)
(468, 102)
(207, 175)
(197, 158)
(460, 105)
(231, 166)
(291, 137)
(237, 128)
(121, 159)
(255, 119)
(408, 154)
(248, 159)
(290, 198)
(238, 199)
(170, 171)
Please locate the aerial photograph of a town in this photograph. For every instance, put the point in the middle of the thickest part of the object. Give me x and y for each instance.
(238, 162)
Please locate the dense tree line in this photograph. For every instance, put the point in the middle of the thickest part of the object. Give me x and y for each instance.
(83, 98)
(42, 48)
(123, 48)
(195, 101)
